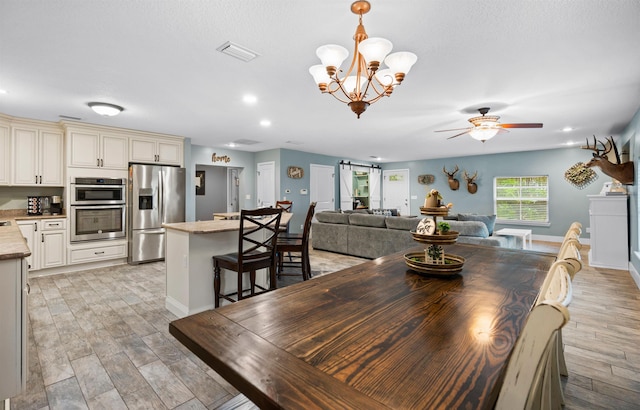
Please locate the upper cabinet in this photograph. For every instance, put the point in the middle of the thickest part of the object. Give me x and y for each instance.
(88, 149)
(5, 154)
(156, 150)
(37, 155)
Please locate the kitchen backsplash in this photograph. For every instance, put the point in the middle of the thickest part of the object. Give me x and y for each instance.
(16, 197)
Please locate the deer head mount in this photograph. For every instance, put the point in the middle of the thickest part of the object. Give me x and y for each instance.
(623, 172)
(454, 184)
(472, 187)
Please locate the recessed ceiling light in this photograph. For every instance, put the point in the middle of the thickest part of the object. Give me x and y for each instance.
(265, 123)
(106, 109)
(3, 91)
(231, 145)
(250, 99)
(567, 129)
(376, 157)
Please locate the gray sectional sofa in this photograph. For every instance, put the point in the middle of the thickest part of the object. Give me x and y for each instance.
(371, 236)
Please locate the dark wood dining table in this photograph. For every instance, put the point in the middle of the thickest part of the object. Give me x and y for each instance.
(376, 335)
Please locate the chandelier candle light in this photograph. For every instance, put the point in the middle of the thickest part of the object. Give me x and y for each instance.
(367, 78)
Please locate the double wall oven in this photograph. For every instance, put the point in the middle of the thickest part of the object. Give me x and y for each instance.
(97, 209)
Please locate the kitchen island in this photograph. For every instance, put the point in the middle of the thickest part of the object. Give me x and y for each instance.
(190, 247)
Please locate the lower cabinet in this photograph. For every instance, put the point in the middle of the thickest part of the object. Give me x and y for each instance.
(47, 239)
(91, 252)
(13, 327)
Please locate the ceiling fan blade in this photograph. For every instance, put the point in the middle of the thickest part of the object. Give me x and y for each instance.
(457, 135)
(455, 129)
(521, 125)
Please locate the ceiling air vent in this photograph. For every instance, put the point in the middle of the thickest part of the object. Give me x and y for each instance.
(237, 51)
(246, 142)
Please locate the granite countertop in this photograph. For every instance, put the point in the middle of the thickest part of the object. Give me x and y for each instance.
(219, 225)
(12, 243)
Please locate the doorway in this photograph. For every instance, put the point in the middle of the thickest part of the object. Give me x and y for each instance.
(395, 186)
(266, 184)
(322, 187)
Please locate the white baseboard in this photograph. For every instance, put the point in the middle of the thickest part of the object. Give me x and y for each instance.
(634, 275)
(558, 239)
(76, 268)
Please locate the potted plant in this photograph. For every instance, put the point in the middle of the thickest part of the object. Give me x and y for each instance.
(443, 227)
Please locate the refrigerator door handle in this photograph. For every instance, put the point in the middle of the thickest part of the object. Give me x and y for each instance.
(161, 196)
(159, 231)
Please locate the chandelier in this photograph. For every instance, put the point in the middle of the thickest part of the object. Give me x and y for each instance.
(363, 83)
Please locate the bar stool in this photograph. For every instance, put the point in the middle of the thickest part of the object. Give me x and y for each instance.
(298, 244)
(259, 230)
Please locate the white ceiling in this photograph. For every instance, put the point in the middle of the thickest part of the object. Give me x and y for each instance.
(559, 62)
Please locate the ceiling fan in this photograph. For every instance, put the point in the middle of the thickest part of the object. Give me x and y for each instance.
(487, 126)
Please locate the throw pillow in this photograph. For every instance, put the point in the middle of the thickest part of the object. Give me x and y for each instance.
(489, 220)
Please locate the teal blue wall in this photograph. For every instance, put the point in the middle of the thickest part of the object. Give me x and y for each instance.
(301, 202)
(566, 203)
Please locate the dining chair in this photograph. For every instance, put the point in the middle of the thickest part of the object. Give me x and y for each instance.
(574, 231)
(526, 382)
(257, 236)
(570, 252)
(557, 288)
(299, 245)
(286, 206)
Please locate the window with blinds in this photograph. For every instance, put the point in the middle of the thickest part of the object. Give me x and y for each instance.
(521, 199)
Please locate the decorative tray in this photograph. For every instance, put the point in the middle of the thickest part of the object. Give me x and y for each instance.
(437, 211)
(415, 261)
(438, 239)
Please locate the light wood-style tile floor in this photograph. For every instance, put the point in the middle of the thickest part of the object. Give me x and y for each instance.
(99, 339)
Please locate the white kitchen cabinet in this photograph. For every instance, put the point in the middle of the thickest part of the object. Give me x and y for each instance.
(156, 150)
(13, 327)
(609, 238)
(5, 154)
(97, 251)
(37, 156)
(47, 240)
(88, 149)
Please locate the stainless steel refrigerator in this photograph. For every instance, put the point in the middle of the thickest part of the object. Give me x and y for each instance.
(155, 195)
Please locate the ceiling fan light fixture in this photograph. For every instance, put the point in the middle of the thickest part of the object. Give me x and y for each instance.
(483, 133)
(105, 109)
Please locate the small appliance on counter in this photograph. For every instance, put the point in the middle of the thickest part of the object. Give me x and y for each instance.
(34, 205)
(56, 205)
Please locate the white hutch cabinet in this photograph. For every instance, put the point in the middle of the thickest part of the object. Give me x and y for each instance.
(609, 232)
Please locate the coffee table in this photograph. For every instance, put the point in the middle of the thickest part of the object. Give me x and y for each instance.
(522, 233)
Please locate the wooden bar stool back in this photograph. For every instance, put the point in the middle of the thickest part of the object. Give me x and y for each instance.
(259, 230)
(298, 245)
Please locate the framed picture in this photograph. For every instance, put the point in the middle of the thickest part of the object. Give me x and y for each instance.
(200, 182)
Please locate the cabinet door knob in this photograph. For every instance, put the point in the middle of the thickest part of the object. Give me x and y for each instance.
(101, 162)
(28, 287)
(97, 162)
(42, 238)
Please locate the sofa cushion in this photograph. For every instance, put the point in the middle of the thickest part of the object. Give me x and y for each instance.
(470, 228)
(376, 221)
(489, 220)
(403, 224)
(333, 218)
